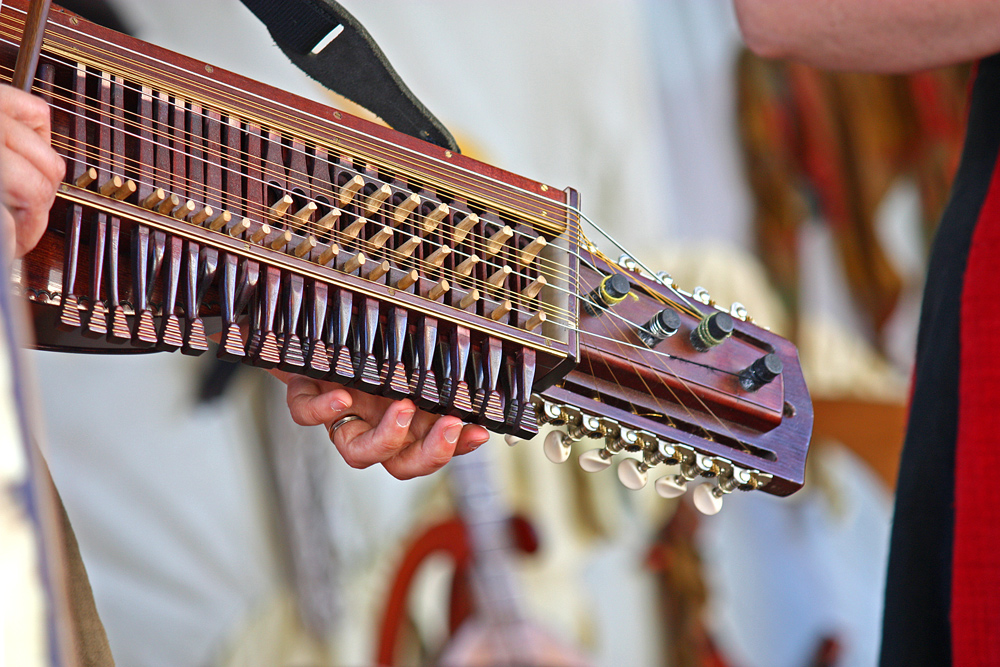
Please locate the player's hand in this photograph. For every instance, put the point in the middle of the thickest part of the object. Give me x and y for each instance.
(407, 441)
(30, 170)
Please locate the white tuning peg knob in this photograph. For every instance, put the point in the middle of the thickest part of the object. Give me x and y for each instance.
(556, 447)
(708, 499)
(511, 440)
(595, 460)
(631, 475)
(671, 486)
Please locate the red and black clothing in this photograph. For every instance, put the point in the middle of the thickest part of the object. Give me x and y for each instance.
(943, 586)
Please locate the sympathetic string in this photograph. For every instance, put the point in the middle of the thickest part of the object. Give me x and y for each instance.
(160, 139)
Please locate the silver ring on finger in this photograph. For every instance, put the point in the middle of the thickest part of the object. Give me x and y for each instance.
(340, 422)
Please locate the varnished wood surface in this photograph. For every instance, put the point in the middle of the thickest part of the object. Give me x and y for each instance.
(700, 405)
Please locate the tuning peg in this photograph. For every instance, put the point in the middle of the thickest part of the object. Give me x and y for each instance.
(761, 372)
(633, 473)
(708, 499)
(617, 439)
(672, 486)
(578, 425)
(557, 446)
(660, 327)
(512, 440)
(712, 331)
(611, 291)
(595, 460)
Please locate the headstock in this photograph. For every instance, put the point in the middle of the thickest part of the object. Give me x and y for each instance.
(689, 387)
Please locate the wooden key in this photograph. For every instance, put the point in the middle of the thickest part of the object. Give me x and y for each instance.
(127, 189)
(501, 310)
(328, 254)
(466, 267)
(306, 246)
(531, 251)
(535, 321)
(532, 290)
(238, 228)
(499, 276)
(379, 271)
(406, 281)
(220, 221)
(405, 208)
(353, 229)
(463, 228)
(438, 256)
(302, 216)
(279, 207)
(154, 198)
(329, 220)
(168, 204)
(201, 216)
(438, 290)
(88, 176)
(262, 233)
(379, 239)
(434, 218)
(376, 199)
(350, 189)
(111, 185)
(469, 299)
(184, 210)
(407, 248)
(355, 263)
(280, 241)
(497, 241)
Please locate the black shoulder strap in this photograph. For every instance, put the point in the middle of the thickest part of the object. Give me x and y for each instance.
(329, 44)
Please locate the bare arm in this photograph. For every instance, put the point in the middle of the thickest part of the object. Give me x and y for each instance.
(872, 35)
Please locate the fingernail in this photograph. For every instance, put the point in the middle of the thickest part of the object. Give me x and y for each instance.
(476, 442)
(403, 418)
(451, 433)
(338, 404)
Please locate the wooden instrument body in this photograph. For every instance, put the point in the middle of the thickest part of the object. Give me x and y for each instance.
(504, 343)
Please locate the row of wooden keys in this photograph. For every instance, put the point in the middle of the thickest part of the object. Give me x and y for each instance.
(294, 232)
